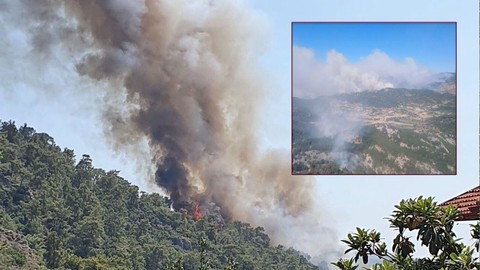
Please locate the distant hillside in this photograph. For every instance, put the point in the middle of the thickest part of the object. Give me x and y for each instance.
(447, 83)
(390, 131)
(56, 213)
(394, 97)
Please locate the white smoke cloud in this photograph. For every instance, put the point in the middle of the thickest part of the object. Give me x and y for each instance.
(343, 126)
(407, 74)
(183, 67)
(312, 78)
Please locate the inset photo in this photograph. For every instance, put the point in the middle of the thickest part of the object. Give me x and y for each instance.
(374, 98)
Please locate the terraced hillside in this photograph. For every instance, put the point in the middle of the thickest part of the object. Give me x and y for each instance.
(390, 131)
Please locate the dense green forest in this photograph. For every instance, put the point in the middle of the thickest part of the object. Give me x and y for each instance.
(57, 213)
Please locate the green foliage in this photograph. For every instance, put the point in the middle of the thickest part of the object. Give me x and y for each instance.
(344, 264)
(476, 235)
(463, 260)
(11, 256)
(365, 242)
(395, 139)
(76, 216)
(385, 265)
(434, 227)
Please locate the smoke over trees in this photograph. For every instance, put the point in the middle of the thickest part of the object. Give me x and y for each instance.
(181, 75)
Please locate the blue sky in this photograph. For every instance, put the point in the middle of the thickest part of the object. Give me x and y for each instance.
(429, 44)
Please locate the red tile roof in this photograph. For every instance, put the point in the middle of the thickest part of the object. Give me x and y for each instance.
(468, 204)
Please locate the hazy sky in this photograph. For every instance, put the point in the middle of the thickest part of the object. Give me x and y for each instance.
(330, 58)
(429, 44)
(350, 201)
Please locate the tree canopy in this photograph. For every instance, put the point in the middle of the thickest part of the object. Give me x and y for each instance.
(71, 215)
(434, 228)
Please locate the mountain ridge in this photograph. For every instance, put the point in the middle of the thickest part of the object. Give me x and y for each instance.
(75, 216)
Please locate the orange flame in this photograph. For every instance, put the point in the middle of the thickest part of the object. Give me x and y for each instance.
(197, 215)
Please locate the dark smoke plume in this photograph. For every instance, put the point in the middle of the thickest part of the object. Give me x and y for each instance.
(182, 74)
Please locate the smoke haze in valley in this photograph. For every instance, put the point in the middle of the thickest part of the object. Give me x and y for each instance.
(341, 126)
(313, 78)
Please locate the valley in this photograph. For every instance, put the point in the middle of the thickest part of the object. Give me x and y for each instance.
(390, 131)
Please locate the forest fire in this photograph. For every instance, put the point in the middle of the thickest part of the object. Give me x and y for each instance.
(177, 96)
(197, 215)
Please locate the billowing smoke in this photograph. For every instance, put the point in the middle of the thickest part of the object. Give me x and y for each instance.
(343, 126)
(313, 78)
(180, 74)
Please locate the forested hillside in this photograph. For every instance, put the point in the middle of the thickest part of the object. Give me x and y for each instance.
(388, 131)
(56, 213)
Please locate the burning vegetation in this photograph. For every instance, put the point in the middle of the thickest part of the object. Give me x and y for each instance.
(181, 75)
(197, 215)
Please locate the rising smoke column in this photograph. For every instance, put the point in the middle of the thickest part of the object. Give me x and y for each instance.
(190, 77)
(182, 74)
